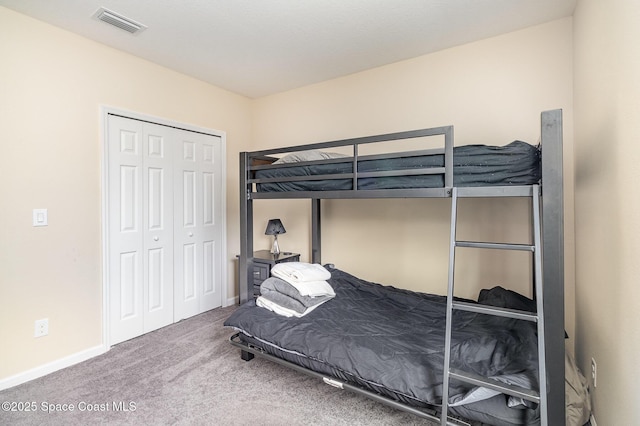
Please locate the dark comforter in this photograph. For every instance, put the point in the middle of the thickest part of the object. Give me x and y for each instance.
(393, 340)
(517, 163)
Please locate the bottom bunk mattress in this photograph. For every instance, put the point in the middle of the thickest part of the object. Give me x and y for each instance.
(391, 341)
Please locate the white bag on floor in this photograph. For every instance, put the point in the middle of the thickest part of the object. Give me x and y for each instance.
(577, 396)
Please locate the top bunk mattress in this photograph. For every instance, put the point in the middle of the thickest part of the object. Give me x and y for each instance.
(517, 163)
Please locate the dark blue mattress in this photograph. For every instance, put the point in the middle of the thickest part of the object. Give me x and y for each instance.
(391, 341)
(474, 165)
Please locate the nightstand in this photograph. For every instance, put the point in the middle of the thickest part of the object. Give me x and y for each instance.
(263, 261)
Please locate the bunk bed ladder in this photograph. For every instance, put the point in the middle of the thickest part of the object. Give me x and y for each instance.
(537, 317)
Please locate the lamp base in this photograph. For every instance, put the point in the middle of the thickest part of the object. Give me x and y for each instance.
(275, 248)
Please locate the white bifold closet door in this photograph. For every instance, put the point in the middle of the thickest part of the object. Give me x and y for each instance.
(164, 227)
(197, 256)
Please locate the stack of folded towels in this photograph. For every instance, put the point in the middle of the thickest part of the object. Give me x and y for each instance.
(295, 288)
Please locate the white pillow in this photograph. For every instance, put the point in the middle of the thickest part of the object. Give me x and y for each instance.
(311, 155)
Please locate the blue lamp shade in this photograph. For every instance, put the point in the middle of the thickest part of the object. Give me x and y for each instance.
(275, 227)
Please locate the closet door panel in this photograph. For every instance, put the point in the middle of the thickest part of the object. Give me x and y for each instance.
(125, 249)
(158, 225)
(130, 285)
(186, 235)
(157, 293)
(129, 193)
(209, 278)
(189, 275)
(211, 222)
(197, 229)
(189, 199)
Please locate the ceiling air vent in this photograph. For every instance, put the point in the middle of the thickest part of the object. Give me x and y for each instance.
(117, 20)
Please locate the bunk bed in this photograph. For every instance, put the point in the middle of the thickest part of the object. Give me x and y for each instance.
(413, 348)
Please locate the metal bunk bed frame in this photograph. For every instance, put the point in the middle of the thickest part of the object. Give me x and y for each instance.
(552, 238)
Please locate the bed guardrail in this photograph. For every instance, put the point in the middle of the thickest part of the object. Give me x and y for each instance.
(264, 159)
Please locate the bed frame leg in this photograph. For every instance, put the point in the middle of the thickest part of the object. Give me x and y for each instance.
(246, 356)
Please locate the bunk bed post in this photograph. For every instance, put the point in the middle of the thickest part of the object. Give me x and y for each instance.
(245, 266)
(448, 166)
(553, 261)
(316, 252)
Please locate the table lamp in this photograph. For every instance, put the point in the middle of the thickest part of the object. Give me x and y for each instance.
(275, 228)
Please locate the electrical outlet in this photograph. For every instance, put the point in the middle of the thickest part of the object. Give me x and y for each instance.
(41, 327)
(594, 372)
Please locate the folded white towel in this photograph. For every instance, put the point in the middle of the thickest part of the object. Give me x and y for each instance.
(280, 310)
(307, 278)
(300, 271)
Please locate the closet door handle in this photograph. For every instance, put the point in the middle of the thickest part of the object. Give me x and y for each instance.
(156, 238)
(191, 234)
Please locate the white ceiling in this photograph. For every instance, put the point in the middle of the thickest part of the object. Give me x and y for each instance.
(260, 47)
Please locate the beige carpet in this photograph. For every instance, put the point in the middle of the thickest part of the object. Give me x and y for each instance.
(188, 374)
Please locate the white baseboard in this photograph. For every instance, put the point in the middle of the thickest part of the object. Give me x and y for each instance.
(67, 361)
(50, 367)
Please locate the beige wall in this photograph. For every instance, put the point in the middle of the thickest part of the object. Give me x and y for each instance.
(52, 84)
(607, 154)
(492, 91)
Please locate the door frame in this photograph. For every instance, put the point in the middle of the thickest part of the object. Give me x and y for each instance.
(105, 112)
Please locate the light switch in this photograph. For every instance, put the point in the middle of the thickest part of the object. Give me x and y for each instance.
(40, 217)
